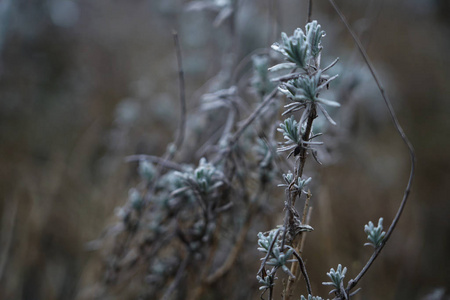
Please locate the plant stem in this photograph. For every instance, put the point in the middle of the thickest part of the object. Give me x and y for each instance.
(298, 243)
(352, 283)
(182, 126)
(180, 273)
(293, 194)
(228, 264)
(309, 11)
(252, 117)
(303, 151)
(155, 159)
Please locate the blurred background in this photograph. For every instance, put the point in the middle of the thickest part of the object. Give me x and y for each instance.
(85, 83)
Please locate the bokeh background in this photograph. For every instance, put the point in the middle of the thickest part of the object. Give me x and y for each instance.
(85, 83)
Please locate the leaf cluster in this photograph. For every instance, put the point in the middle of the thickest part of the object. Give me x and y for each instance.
(336, 277)
(374, 234)
(300, 48)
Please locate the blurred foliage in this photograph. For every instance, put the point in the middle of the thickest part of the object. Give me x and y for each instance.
(83, 84)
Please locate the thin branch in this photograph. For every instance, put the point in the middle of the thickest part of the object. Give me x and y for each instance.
(277, 160)
(354, 293)
(308, 220)
(253, 116)
(250, 119)
(271, 293)
(287, 77)
(309, 11)
(303, 269)
(288, 216)
(330, 65)
(182, 125)
(155, 159)
(269, 251)
(352, 283)
(247, 59)
(273, 30)
(169, 154)
(311, 116)
(211, 142)
(298, 248)
(178, 277)
(229, 262)
(232, 115)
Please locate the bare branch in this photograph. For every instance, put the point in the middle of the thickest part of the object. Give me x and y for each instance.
(303, 269)
(182, 125)
(269, 251)
(177, 278)
(155, 159)
(253, 116)
(309, 11)
(354, 282)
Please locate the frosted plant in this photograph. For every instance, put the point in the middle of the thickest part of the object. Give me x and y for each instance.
(374, 234)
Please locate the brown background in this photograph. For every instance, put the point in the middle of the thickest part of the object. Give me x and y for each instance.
(84, 83)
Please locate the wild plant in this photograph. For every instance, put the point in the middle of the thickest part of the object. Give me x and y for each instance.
(177, 215)
(302, 50)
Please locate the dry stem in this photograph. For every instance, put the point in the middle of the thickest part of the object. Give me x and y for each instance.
(298, 247)
(353, 282)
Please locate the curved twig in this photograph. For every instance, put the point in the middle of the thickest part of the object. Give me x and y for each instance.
(298, 247)
(182, 126)
(269, 251)
(248, 58)
(155, 159)
(352, 283)
(303, 269)
(228, 264)
(253, 116)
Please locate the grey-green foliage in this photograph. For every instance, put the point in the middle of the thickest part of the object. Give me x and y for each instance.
(146, 170)
(374, 234)
(300, 48)
(310, 297)
(302, 85)
(314, 34)
(267, 282)
(223, 8)
(176, 193)
(204, 179)
(300, 185)
(291, 133)
(265, 240)
(294, 48)
(164, 199)
(305, 89)
(280, 259)
(276, 257)
(260, 80)
(218, 99)
(303, 51)
(288, 178)
(304, 94)
(135, 198)
(167, 184)
(336, 277)
(264, 154)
